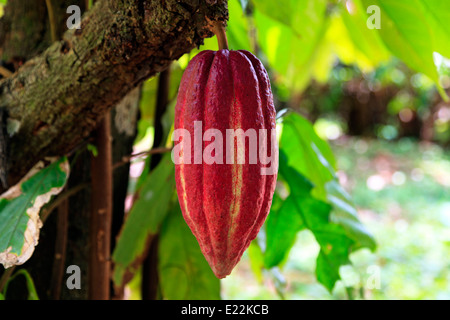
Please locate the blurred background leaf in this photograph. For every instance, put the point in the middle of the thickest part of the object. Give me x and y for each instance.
(20, 209)
(184, 272)
(143, 220)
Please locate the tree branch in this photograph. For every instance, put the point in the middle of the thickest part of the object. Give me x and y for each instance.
(57, 98)
(5, 72)
(52, 20)
(59, 261)
(101, 216)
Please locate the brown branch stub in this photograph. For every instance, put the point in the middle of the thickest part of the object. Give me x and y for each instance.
(59, 261)
(120, 44)
(101, 215)
(219, 31)
(5, 73)
(52, 20)
(5, 277)
(127, 159)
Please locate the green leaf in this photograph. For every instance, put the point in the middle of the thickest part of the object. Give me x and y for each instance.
(322, 63)
(315, 201)
(307, 153)
(406, 32)
(282, 226)
(313, 158)
(93, 149)
(143, 220)
(438, 15)
(313, 214)
(367, 42)
(20, 207)
(345, 215)
(183, 270)
(290, 35)
(147, 105)
(256, 260)
(32, 293)
(237, 31)
(275, 41)
(350, 39)
(284, 14)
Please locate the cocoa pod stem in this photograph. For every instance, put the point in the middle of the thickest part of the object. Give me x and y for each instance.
(219, 31)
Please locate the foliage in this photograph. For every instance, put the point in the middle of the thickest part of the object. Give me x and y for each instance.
(144, 220)
(20, 207)
(32, 294)
(305, 45)
(183, 270)
(314, 193)
(401, 191)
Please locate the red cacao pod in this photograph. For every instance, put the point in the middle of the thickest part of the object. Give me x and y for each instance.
(226, 201)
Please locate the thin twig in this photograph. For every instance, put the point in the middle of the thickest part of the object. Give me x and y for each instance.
(127, 159)
(219, 31)
(101, 215)
(60, 199)
(52, 19)
(5, 72)
(60, 250)
(68, 193)
(44, 215)
(5, 277)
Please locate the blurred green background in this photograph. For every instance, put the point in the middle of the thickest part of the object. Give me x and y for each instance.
(402, 192)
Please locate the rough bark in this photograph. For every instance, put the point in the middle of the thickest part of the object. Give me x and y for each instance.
(57, 98)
